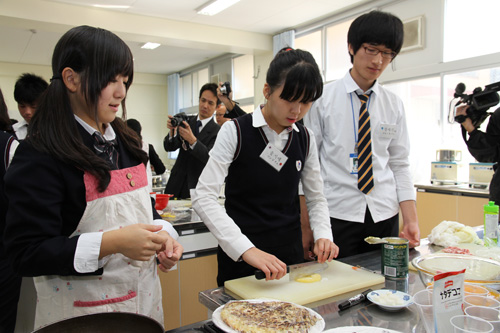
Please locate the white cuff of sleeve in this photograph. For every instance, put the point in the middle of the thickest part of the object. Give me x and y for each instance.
(236, 249)
(167, 226)
(87, 253)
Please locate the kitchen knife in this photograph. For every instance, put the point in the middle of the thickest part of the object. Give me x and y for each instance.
(298, 271)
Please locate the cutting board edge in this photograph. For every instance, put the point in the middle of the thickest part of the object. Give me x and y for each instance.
(304, 301)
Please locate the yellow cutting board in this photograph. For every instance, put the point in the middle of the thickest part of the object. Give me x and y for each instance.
(337, 279)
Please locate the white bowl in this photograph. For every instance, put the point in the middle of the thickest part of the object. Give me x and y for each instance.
(404, 298)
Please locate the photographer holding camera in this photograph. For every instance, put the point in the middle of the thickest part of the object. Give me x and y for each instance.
(196, 135)
(483, 146)
(225, 94)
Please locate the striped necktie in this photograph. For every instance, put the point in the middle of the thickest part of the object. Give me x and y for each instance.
(365, 171)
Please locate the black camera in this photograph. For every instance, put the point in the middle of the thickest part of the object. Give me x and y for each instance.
(225, 88)
(480, 101)
(178, 119)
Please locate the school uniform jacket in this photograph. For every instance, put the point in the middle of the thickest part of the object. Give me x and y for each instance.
(38, 226)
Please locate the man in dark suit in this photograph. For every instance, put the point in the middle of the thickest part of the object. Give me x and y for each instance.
(194, 138)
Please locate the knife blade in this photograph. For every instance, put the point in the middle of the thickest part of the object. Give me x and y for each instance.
(297, 271)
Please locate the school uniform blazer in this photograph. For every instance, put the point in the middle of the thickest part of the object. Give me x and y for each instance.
(190, 162)
(47, 201)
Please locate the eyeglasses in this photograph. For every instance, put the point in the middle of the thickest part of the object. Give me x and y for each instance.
(374, 51)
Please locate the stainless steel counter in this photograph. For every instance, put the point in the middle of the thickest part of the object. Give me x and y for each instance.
(364, 314)
(462, 189)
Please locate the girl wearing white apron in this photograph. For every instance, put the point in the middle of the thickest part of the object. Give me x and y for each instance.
(80, 218)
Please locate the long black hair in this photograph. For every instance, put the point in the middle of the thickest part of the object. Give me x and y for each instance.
(376, 27)
(98, 56)
(5, 123)
(298, 71)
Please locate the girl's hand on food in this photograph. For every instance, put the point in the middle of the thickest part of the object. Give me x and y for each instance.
(137, 241)
(274, 268)
(325, 250)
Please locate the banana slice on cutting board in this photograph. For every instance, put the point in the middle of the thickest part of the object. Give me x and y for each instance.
(309, 278)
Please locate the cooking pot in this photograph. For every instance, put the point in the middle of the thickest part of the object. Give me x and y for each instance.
(448, 155)
(122, 322)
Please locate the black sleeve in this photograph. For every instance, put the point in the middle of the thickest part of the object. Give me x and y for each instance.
(155, 161)
(235, 112)
(485, 146)
(156, 216)
(172, 144)
(46, 203)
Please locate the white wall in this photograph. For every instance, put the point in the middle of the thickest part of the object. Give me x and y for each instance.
(146, 100)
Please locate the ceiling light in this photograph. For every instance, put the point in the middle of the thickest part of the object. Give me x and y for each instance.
(215, 6)
(150, 46)
(112, 6)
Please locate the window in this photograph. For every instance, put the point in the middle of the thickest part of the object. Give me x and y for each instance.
(338, 61)
(470, 28)
(190, 85)
(312, 43)
(429, 128)
(186, 92)
(201, 79)
(421, 99)
(243, 69)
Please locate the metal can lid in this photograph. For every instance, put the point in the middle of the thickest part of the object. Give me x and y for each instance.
(396, 240)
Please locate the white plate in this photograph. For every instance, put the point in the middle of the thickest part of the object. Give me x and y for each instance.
(404, 297)
(360, 329)
(216, 318)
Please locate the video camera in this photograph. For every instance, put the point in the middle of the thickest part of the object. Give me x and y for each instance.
(480, 101)
(178, 118)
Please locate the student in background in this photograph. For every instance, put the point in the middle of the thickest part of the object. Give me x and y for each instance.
(264, 156)
(363, 143)
(80, 217)
(27, 91)
(154, 159)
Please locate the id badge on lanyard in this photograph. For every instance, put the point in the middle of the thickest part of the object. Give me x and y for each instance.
(353, 163)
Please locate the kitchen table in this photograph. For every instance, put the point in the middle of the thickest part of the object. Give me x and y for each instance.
(364, 314)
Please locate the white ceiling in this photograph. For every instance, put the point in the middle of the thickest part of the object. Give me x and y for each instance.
(29, 29)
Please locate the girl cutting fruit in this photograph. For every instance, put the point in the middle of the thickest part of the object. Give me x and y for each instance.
(80, 218)
(264, 155)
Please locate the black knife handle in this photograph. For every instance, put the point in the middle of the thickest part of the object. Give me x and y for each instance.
(260, 275)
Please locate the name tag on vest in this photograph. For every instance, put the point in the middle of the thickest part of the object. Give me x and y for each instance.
(274, 157)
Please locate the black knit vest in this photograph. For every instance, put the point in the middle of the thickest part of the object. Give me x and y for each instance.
(262, 201)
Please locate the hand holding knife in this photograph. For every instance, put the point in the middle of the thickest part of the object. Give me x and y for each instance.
(297, 271)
